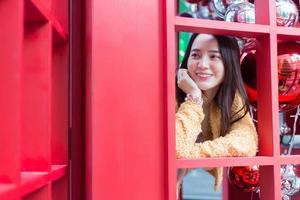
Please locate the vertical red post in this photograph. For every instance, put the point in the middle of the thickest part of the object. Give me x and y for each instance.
(10, 89)
(170, 57)
(125, 137)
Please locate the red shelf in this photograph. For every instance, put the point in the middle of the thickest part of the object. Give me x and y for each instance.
(8, 191)
(31, 181)
(225, 162)
(183, 24)
(288, 33)
(293, 159)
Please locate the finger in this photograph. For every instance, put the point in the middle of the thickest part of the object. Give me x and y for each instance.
(185, 73)
(181, 73)
(179, 76)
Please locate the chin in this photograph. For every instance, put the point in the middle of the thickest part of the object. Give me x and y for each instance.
(205, 87)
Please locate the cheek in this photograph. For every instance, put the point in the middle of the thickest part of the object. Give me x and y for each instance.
(219, 70)
(190, 65)
(190, 70)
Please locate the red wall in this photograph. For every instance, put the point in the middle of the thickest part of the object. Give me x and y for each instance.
(124, 105)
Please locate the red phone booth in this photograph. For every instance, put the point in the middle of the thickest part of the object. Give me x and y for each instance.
(88, 112)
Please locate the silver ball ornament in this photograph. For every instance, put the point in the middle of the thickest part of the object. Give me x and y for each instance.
(220, 6)
(286, 13)
(290, 183)
(241, 12)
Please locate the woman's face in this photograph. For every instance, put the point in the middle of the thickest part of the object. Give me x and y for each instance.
(205, 65)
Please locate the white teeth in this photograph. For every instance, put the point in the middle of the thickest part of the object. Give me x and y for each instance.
(204, 75)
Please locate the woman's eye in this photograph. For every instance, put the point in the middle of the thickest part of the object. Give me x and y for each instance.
(195, 55)
(215, 57)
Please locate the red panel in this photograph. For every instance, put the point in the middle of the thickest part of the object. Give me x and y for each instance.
(10, 73)
(125, 105)
(36, 97)
(59, 104)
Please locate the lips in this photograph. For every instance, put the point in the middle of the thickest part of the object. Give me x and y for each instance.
(204, 75)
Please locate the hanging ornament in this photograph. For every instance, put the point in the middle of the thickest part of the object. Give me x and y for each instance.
(290, 183)
(288, 75)
(220, 6)
(288, 81)
(286, 13)
(245, 178)
(241, 12)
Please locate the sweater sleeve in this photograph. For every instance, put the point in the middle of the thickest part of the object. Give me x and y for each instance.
(188, 125)
(240, 141)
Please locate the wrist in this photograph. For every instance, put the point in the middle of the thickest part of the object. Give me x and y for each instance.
(194, 98)
(195, 94)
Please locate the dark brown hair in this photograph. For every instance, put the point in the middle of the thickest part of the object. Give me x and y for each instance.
(231, 84)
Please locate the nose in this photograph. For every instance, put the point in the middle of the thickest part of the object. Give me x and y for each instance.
(204, 62)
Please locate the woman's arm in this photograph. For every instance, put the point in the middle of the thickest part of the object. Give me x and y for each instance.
(240, 141)
(188, 125)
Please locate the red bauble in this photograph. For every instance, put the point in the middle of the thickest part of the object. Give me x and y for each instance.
(288, 75)
(245, 179)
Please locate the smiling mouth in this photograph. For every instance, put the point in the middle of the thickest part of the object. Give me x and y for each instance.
(201, 75)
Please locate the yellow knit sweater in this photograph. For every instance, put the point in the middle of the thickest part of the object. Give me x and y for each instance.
(241, 140)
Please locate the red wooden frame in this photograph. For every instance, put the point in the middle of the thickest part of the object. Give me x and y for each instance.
(34, 100)
(266, 32)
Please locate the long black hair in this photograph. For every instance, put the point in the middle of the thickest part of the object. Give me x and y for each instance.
(231, 84)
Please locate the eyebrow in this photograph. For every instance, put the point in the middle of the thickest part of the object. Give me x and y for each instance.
(211, 51)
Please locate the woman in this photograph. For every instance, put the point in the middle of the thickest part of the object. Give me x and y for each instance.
(212, 119)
